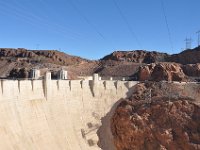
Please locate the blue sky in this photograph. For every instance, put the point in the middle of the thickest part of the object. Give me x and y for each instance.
(94, 28)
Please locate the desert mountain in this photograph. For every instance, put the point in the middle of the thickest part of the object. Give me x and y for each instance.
(137, 56)
(18, 62)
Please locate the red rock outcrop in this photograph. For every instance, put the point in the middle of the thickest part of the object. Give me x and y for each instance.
(162, 71)
(161, 125)
(145, 71)
(20, 52)
(40, 56)
(192, 70)
(137, 56)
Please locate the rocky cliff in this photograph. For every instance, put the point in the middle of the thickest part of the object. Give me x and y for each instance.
(40, 56)
(190, 56)
(137, 56)
(162, 125)
(167, 121)
(162, 71)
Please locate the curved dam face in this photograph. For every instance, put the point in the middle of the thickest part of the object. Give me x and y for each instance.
(58, 114)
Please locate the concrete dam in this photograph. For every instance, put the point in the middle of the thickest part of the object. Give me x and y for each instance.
(59, 114)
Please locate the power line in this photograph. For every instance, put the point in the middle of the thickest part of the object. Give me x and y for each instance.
(86, 20)
(23, 14)
(68, 28)
(188, 43)
(127, 24)
(167, 24)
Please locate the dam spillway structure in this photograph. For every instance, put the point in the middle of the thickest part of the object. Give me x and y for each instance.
(59, 114)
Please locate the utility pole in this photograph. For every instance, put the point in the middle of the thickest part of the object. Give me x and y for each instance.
(188, 43)
(198, 38)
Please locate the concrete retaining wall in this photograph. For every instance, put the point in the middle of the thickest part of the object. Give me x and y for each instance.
(56, 114)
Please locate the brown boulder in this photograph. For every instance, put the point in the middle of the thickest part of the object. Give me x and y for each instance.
(168, 72)
(144, 73)
(192, 70)
(162, 71)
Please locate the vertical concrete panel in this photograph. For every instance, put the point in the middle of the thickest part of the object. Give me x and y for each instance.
(75, 85)
(76, 89)
(25, 90)
(47, 85)
(38, 89)
(10, 89)
(85, 84)
(54, 89)
(63, 88)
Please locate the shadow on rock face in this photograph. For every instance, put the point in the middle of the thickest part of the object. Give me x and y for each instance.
(104, 133)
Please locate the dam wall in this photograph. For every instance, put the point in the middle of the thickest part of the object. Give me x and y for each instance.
(58, 114)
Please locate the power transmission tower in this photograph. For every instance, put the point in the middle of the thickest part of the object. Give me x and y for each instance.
(198, 38)
(188, 43)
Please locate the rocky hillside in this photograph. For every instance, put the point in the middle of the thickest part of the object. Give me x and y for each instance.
(16, 63)
(136, 64)
(40, 56)
(190, 56)
(137, 56)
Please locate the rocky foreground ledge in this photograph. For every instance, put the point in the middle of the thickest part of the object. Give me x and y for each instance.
(162, 123)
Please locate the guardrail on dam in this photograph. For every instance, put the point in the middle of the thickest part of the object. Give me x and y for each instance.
(58, 114)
